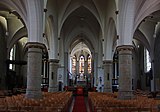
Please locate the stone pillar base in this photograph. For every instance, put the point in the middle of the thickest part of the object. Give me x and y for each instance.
(107, 90)
(33, 94)
(125, 95)
(53, 89)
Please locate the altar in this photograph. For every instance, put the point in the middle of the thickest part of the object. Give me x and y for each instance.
(81, 77)
(81, 83)
(81, 80)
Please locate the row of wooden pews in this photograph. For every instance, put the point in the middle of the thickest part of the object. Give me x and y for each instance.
(108, 102)
(51, 102)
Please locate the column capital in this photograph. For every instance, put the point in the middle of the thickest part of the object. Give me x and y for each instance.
(35, 45)
(107, 62)
(125, 47)
(54, 60)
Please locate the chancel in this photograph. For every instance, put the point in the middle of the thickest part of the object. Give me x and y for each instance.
(79, 55)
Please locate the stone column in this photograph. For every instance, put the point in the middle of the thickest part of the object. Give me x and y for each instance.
(108, 75)
(95, 69)
(86, 67)
(66, 77)
(153, 80)
(53, 85)
(77, 67)
(92, 73)
(45, 71)
(125, 72)
(34, 70)
(44, 68)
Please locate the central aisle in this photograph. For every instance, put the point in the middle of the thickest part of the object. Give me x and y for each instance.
(79, 104)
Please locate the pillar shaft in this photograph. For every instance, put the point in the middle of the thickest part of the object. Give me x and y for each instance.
(125, 72)
(115, 66)
(44, 68)
(66, 77)
(77, 67)
(34, 70)
(95, 69)
(92, 73)
(86, 67)
(53, 85)
(108, 75)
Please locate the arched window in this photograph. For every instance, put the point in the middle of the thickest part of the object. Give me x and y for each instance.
(12, 57)
(147, 60)
(81, 64)
(89, 64)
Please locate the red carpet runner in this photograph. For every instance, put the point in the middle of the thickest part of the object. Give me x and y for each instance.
(79, 104)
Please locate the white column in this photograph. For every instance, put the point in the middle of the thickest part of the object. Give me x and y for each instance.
(53, 85)
(34, 70)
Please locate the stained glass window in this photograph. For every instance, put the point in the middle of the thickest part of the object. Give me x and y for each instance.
(89, 64)
(12, 57)
(147, 60)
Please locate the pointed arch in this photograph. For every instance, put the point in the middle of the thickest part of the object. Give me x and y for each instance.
(50, 32)
(17, 36)
(148, 7)
(109, 39)
(138, 35)
(71, 9)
